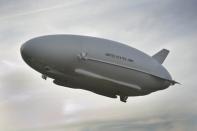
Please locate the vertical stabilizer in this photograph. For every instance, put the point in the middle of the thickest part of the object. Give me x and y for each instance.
(161, 55)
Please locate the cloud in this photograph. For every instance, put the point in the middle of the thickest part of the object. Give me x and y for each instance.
(171, 122)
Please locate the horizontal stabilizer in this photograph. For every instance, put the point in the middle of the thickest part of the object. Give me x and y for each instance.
(161, 55)
(174, 82)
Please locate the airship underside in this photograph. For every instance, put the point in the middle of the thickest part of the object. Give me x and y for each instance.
(101, 66)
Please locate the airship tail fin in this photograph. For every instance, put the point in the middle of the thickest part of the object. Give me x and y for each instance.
(161, 55)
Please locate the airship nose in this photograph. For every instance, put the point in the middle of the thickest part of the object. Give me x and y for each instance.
(25, 53)
(29, 52)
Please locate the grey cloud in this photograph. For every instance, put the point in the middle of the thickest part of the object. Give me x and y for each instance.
(153, 123)
(24, 7)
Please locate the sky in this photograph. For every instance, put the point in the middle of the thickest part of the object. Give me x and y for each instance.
(30, 103)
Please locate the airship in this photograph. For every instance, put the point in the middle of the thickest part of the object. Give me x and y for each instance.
(102, 66)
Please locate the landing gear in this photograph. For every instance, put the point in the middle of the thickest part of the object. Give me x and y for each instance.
(44, 77)
(123, 98)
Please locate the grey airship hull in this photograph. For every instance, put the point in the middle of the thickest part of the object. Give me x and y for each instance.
(102, 66)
